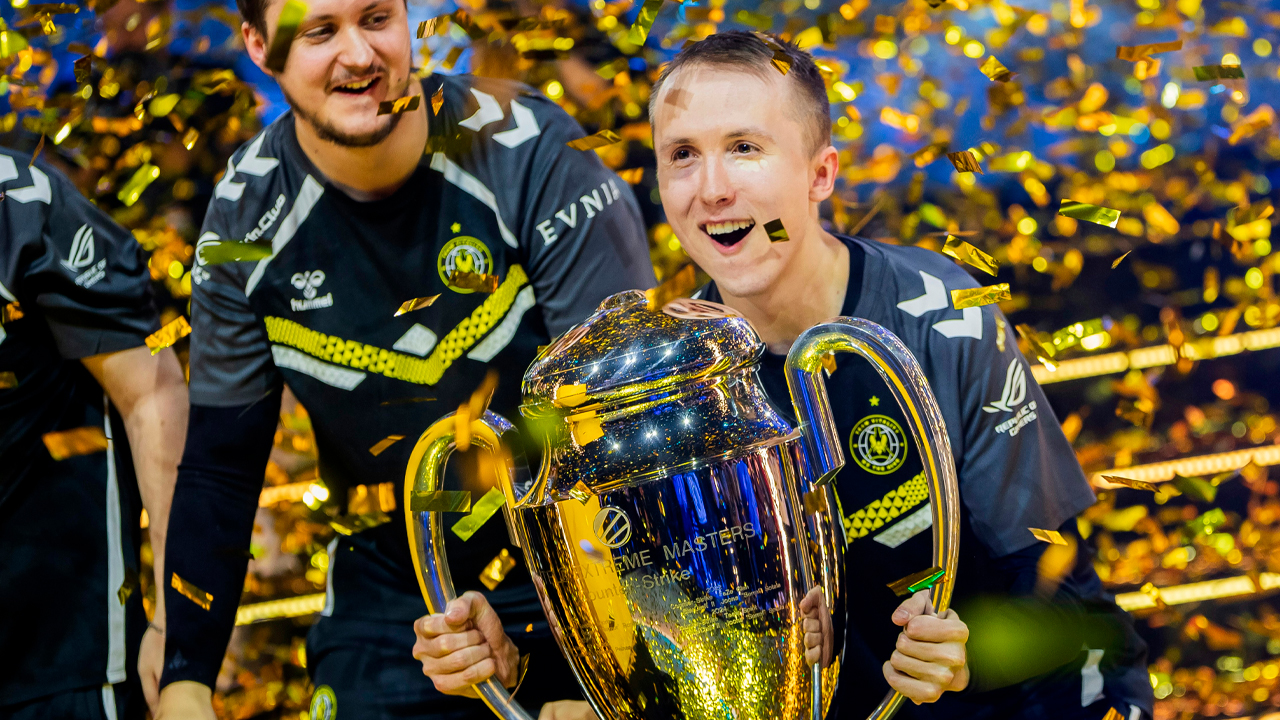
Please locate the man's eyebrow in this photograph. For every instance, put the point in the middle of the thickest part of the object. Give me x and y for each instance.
(365, 9)
(735, 135)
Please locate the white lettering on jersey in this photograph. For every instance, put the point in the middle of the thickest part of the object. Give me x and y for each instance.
(1024, 417)
(308, 282)
(969, 324)
(266, 221)
(489, 111)
(526, 127)
(1015, 389)
(39, 189)
(593, 204)
(250, 164)
(81, 257)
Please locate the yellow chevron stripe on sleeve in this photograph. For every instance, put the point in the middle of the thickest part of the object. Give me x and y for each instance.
(369, 358)
(883, 511)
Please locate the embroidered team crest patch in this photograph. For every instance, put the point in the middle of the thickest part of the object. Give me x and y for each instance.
(878, 444)
(324, 704)
(463, 254)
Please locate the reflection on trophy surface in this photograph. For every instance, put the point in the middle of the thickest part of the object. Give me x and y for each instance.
(680, 531)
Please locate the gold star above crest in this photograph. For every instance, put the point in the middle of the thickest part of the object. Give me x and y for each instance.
(875, 401)
(456, 227)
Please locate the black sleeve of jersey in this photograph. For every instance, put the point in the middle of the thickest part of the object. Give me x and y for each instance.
(1034, 629)
(210, 524)
(581, 227)
(85, 274)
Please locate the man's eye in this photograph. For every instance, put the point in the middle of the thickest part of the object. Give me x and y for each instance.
(744, 148)
(681, 154)
(378, 19)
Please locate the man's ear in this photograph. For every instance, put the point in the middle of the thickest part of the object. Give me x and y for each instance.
(256, 45)
(826, 166)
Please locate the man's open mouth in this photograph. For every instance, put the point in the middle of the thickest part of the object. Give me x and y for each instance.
(729, 233)
(358, 87)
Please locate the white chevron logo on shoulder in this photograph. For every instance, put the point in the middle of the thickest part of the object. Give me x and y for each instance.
(39, 189)
(526, 126)
(489, 111)
(935, 297)
(250, 164)
(1015, 389)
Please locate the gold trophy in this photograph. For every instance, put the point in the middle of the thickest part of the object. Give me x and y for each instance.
(680, 530)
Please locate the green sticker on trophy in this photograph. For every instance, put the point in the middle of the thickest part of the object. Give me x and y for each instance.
(915, 582)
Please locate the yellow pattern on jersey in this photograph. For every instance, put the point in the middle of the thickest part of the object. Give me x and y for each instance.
(883, 511)
(361, 356)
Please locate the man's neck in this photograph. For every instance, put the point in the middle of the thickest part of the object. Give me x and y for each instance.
(376, 171)
(810, 290)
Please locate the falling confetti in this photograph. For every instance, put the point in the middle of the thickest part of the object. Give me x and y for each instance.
(191, 592)
(970, 255)
(601, 139)
(917, 581)
(400, 105)
(1053, 537)
(384, 443)
(291, 16)
(168, 335)
(496, 571)
(775, 231)
(72, 443)
(1090, 213)
(480, 514)
(976, 297)
(409, 306)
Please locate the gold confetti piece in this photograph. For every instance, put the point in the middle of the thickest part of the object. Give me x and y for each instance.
(644, 22)
(929, 153)
(480, 514)
(965, 162)
(917, 581)
(1251, 124)
(585, 427)
(1053, 537)
(10, 312)
(384, 443)
(829, 362)
(409, 306)
(191, 592)
(632, 176)
(1119, 260)
(1131, 483)
(190, 137)
(79, 441)
(976, 297)
(168, 335)
(482, 282)
(1071, 335)
(1145, 69)
(434, 26)
(462, 427)
(291, 16)
(1089, 213)
(1134, 53)
(496, 571)
(1000, 332)
(132, 189)
(478, 404)
(8, 380)
(970, 255)
(437, 100)
(463, 19)
(677, 286)
(216, 252)
(1112, 713)
(399, 105)
(995, 70)
(815, 502)
(351, 524)
(128, 586)
(570, 395)
(442, 501)
(601, 139)
(781, 61)
(775, 231)
(1218, 72)
(581, 492)
(1198, 488)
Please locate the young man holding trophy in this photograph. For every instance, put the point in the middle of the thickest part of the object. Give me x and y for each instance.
(380, 248)
(744, 161)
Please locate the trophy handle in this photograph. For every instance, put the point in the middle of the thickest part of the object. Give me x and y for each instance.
(899, 369)
(424, 477)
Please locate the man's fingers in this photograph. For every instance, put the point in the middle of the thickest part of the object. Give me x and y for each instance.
(918, 691)
(460, 683)
(929, 628)
(442, 645)
(950, 653)
(457, 662)
(464, 608)
(811, 602)
(935, 673)
(813, 640)
(430, 626)
(913, 606)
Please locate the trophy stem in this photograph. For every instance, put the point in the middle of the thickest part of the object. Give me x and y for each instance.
(816, 675)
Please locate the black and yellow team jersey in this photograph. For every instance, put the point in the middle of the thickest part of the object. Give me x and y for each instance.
(498, 196)
(1016, 471)
(73, 284)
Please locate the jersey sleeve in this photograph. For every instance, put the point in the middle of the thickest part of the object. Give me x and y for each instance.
(231, 363)
(581, 227)
(1017, 469)
(86, 275)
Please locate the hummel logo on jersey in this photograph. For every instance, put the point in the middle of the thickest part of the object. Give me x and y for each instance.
(307, 282)
(81, 257)
(1015, 389)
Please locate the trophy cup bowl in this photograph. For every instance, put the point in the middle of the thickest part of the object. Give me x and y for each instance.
(680, 529)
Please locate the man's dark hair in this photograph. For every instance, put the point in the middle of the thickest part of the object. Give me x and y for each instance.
(747, 51)
(254, 12)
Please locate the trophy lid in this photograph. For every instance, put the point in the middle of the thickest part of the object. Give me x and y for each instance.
(626, 350)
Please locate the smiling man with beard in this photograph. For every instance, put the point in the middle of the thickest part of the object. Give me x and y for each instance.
(479, 204)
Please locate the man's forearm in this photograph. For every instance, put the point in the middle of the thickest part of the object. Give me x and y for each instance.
(211, 522)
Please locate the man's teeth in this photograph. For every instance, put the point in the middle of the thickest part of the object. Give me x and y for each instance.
(361, 85)
(727, 227)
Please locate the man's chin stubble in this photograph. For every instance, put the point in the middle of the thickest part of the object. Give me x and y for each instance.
(327, 132)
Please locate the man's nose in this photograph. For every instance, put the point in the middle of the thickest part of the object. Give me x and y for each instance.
(716, 188)
(355, 52)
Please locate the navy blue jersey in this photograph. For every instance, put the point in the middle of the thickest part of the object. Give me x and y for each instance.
(1016, 469)
(497, 193)
(68, 528)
